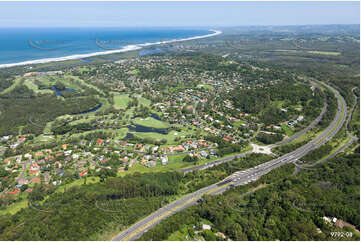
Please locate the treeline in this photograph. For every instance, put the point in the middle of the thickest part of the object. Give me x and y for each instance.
(288, 207)
(258, 101)
(34, 113)
(82, 213)
(318, 153)
(224, 147)
(74, 128)
(269, 138)
(331, 110)
(5, 83)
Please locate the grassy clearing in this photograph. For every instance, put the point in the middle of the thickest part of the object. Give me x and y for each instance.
(121, 133)
(287, 129)
(239, 123)
(278, 104)
(170, 137)
(44, 138)
(143, 101)
(78, 182)
(206, 86)
(137, 167)
(17, 82)
(121, 101)
(81, 82)
(289, 51)
(31, 85)
(151, 122)
(324, 53)
(15, 207)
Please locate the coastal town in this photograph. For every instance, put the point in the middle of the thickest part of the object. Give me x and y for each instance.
(185, 141)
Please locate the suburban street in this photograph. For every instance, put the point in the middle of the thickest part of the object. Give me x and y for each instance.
(287, 140)
(240, 177)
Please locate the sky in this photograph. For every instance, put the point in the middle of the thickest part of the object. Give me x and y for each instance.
(175, 14)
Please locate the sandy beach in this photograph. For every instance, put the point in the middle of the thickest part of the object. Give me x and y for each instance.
(124, 49)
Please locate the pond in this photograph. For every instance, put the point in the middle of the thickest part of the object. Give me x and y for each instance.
(58, 92)
(155, 116)
(140, 128)
(92, 110)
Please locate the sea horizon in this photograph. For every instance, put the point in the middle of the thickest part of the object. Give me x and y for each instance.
(25, 46)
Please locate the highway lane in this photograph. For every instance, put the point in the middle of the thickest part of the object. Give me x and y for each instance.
(340, 149)
(136, 230)
(238, 178)
(215, 162)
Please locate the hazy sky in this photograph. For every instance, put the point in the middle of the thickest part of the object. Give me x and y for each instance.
(39, 14)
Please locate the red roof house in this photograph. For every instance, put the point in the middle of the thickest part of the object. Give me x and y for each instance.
(83, 173)
(15, 192)
(21, 139)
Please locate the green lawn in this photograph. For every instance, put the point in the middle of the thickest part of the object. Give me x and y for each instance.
(206, 86)
(287, 129)
(78, 182)
(121, 101)
(169, 137)
(121, 133)
(31, 85)
(77, 81)
(151, 122)
(239, 123)
(143, 101)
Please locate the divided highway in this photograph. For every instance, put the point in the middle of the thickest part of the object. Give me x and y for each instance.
(238, 178)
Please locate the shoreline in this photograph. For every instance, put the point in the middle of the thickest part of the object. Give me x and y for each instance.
(124, 49)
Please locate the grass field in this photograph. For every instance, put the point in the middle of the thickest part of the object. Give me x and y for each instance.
(15, 207)
(324, 53)
(287, 129)
(32, 86)
(278, 104)
(143, 169)
(151, 122)
(206, 86)
(74, 80)
(121, 101)
(121, 133)
(143, 101)
(169, 137)
(239, 123)
(17, 82)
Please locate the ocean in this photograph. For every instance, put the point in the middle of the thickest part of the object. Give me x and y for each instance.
(40, 45)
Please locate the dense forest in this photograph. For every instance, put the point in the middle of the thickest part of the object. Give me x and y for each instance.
(262, 101)
(32, 114)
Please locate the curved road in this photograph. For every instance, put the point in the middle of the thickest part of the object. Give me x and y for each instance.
(238, 178)
(340, 149)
